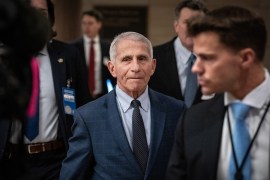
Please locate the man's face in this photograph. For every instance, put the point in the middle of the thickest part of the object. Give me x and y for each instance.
(180, 26)
(133, 67)
(218, 67)
(41, 5)
(90, 26)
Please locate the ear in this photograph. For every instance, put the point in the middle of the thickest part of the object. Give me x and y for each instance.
(175, 24)
(111, 68)
(154, 64)
(248, 57)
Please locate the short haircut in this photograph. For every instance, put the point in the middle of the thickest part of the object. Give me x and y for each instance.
(236, 27)
(94, 13)
(191, 4)
(129, 36)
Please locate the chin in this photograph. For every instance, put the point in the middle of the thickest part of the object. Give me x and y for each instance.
(207, 91)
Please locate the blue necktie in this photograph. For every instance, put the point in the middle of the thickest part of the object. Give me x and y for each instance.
(191, 83)
(31, 123)
(241, 141)
(140, 147)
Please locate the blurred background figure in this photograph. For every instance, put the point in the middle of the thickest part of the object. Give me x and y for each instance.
(173, 75)
(40, 143)
(62, 88)
(95, 53)
(23, 32)
(226, 137)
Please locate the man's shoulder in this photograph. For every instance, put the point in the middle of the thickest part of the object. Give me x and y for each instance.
(214, 104)
(60, 46)
(166, 45)
(167, 100)
(77, 42)
(96, 105)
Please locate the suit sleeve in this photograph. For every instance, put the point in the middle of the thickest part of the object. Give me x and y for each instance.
(177, 166)
(79, 163)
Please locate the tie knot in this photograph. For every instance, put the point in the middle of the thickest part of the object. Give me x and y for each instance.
(135, 103)
(192, 58)
(92, 42)
(240, 110)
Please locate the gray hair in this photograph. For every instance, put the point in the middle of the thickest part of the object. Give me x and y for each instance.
(129, 36)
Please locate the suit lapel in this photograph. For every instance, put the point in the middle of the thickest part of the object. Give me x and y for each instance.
(213, 124)
(158, 117)
(58, 65)
(116, 126)
(172, 68)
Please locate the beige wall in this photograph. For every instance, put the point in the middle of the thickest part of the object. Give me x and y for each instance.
(160, 16)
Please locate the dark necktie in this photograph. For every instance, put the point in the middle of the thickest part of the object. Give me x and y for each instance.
(140, 147)
(91, 68)
(241, 141)
(191, 83)
(31, 123)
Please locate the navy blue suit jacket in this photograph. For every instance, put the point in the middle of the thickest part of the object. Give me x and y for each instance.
(99, 147)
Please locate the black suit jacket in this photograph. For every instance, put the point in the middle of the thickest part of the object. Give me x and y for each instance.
(197, 142)
(65, 64)
(105, 74)
(166, 79)
(70, 68)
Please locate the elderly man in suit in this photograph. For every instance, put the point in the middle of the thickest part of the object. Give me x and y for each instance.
(112, 137)
(173, 75)
(95, 53)
(226, 137)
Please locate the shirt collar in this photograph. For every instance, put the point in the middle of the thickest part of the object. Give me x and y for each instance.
(257, 97)
(181, 50)
(125, 100)
(44, 52)
(88, 40)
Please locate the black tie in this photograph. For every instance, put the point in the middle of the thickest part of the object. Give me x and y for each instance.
(140, 147)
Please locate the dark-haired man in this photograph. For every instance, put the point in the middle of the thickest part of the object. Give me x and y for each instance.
(95, 52)
(172, 76)
(61, 88)
(226, 137)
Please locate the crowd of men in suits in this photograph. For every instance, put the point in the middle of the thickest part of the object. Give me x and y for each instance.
(68, 124)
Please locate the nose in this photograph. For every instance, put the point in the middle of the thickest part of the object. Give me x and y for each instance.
(135, 66)
(196, 66)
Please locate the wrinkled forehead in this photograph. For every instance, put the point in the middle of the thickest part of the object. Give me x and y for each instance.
(132, 45)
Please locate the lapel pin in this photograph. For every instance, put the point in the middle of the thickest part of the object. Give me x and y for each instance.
(60, 60)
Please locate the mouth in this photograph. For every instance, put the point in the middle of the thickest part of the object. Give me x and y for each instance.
(134, 78)
(201, 81)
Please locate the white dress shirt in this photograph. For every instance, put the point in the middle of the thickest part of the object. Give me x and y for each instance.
(98, 59)
(182, 55)
(258, 99)
(123, 102)
(48, 109)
